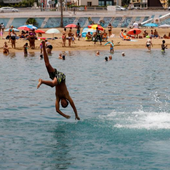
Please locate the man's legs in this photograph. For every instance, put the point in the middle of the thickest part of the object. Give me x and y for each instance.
(48, 83)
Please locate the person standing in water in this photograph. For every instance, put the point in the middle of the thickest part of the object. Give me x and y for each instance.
(149, 43)
(163, 46)
(25, 49)
(58, 81)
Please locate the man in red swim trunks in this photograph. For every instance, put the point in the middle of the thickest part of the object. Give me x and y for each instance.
(58, 80)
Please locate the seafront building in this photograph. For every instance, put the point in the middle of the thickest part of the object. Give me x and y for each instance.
(149, 3)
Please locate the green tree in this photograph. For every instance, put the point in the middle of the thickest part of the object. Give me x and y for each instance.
(125, 2)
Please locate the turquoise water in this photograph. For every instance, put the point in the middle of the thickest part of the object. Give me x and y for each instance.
(124, 106)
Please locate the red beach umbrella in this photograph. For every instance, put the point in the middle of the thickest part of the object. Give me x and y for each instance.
(40, 31)
(24, 28)
(134, 31)
(71, 25)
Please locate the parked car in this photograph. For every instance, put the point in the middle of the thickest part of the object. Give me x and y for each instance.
(120, 8)
(8, 9)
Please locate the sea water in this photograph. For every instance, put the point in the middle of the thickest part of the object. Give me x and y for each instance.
(124, 106)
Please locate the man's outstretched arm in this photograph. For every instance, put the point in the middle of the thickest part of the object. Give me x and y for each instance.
(74, 108)
(58, 110)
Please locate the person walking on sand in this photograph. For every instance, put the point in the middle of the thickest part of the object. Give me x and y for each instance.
(13, 39)
(58, 81)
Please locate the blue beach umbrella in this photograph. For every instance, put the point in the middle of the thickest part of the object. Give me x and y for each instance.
(86, 30)
(29, 26)
(16, 30)
(150, 25)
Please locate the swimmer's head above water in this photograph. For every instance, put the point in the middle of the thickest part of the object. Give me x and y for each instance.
(106, 58)
(123, 54)
(64, 103)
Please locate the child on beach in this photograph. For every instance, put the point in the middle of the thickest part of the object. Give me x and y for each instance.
(5, 48)
(25, 49)
(163, 46)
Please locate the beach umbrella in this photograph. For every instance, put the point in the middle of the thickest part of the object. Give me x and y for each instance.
(52, 31)
(71, 26)
(164, 26)
(134, 31)
(40, 31)
(27, 27)
(16, 30)
(96, 25)
(24, 28)
(88, 30)
(150, 25)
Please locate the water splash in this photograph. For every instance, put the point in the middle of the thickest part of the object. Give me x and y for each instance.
(139, 120)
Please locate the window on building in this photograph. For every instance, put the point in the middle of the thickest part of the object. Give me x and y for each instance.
(101, 3)
(108, 3)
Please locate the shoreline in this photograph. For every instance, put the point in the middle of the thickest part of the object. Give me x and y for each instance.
(84, 45)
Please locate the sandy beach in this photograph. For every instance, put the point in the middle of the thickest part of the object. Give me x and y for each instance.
(89, 45)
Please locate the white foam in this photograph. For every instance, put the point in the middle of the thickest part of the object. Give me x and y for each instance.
(139, 120)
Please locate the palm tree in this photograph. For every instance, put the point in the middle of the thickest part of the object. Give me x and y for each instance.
(61, 5)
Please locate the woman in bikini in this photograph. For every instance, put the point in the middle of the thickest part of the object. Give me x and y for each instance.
(69, 37)
(110, 29)
(64, 37)
(13, 38)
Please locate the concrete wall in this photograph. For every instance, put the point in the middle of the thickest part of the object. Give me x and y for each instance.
(84, 2)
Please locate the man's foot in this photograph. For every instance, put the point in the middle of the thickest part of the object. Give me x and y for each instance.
(39, 83)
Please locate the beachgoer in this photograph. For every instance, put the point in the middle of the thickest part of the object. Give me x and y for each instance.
(41, 48)
(60, 56)
(64, 37)
(69, 37)
(149, 43)
(112, 47)
(135, 25)
(9, 33)
(163, 46)
(31, 38)
(123, 54)
(2, 28)
(48, 46)
(63, 57)
(13, 38)
(97, 53)
(58, 81)
(106, 58)
(104, 36)
(145, 33)
(110, 29)
(78, 31)
(152, 34)
(110, 57)
(98, 36)
(156, 35)
(89, 36)
(25, 49)
(5, 48)
(121, 33)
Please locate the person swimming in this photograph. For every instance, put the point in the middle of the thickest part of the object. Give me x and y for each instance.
(97, 53)
(106, 58)
(123, 54)
(110, 57)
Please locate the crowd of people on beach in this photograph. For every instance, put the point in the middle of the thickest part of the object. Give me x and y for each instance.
(99, 35)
